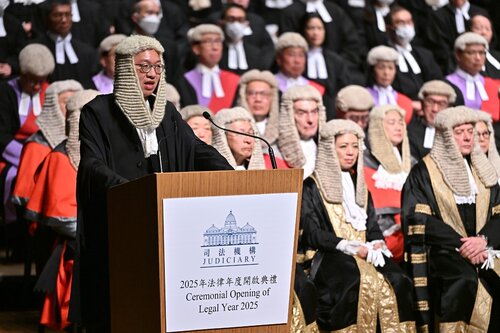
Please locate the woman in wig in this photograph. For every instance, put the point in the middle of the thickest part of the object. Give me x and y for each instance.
(359, 286)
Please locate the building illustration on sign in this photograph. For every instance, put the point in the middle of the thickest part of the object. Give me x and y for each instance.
(230, 234)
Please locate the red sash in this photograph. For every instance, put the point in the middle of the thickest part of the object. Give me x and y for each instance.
(404, 102)
(492, 105)
(318, 86)
(387, 198)
(56, 304)
(229, 83)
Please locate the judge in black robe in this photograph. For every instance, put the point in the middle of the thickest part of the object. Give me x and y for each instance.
(341, 34)
(112, 153)
(11, 44)
(343, 281)
(447, 285)
(442, 32)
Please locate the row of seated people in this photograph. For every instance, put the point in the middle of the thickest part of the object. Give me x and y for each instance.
(347, 192)
(302, 115)
(237, 50)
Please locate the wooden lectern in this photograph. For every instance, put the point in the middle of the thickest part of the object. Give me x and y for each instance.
(136, 256)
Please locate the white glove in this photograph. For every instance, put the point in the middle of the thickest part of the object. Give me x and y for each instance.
(376, 257)
(349, 247)
(490, 262)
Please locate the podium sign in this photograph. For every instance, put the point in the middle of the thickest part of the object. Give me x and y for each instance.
(222, 269)
(204, 252)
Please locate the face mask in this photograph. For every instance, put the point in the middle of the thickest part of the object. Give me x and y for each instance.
(405, 33)
(235, 31)
(150, 24)
(386, 2)
(3, 4)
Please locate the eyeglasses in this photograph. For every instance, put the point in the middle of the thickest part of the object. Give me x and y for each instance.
(146, 68)
(262, 94)
(484, 135)
(231, 19)
(358, 119)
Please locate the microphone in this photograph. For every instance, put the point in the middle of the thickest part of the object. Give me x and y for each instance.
(207, 116)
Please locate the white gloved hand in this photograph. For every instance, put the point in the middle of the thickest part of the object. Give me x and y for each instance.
(490, 262)
(349, 247)
(376, 257)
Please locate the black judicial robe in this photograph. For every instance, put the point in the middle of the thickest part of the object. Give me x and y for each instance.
(339, 276)
(442, 32)
(416, 135)
(410, 83)
(82, 71)
(254, 57)
(447, 283)
(491, 70)
(111, 154)
(12, 43)
(341, 34)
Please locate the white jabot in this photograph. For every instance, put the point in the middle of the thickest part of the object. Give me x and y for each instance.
(75, 13)
(292, 82)
(354, 214)
(471, 83)
(430, 133)
(471, 198)
(3, 33)
(63, 46)
(261, 126)
(462, 14)
(309, 148)
(210, 76)
(492, 60)
(316, 66)
(385, 180)
(380, 13)
(240, 167)
(279, 4)
(405, 53)
(148, 139)
(318, 6)
(356, 3)
(24, 104)
(236, 57)
(385, 95)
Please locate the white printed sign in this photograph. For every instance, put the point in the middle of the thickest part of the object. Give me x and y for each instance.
(228, 260)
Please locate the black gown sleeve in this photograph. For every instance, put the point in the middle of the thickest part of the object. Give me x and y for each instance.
(372, 229)
(314, 221)
(492, 227)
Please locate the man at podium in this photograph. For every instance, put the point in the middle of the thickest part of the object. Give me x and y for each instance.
(125, 135)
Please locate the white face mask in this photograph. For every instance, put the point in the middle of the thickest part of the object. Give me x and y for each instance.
(405, 33)
(150, 24)
(235, 31)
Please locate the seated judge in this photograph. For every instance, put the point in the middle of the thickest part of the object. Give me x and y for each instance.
(452, 230)
(121, 135)
(258, 93)
(207, 84)
(354, 103)
(103, 81)
(435, 96)
(381, 75)
(473, 89)
(74, 59)
(359, 286)
(481, 25)
(486, 137)
(193, 116)
(241, 151)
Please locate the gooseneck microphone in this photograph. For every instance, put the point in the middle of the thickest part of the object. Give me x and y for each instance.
(270, 149)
